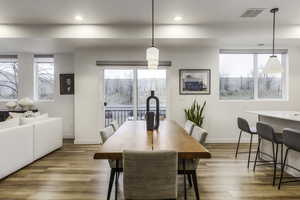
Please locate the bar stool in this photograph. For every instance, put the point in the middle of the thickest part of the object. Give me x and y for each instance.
(266, 132)
(291, 138)
(244, 128)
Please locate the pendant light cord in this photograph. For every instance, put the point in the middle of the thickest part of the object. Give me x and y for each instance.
(152, 23)
(274, 18)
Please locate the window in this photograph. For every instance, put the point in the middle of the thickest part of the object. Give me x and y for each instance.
(44, 77)
(8, 77)
(242, 77)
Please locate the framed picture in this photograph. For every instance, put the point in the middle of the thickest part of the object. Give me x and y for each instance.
(66, 84)
(194, 81)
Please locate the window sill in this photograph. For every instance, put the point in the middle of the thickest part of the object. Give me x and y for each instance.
(254, 100)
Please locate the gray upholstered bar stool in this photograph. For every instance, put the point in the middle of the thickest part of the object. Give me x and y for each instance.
(266, 132)
(245, 128)
(150, 174)
(291, 138)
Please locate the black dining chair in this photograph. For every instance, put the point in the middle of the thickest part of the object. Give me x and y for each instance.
(266, 132)
(291, 138)
(245, 128)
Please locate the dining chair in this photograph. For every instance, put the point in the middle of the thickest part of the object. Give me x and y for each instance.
(199, 134)
(191, 165)
(291, 138)
(115, 125)
(150, 174)
(188, 126)
(267, 133)
(115, 171)
(244, 127)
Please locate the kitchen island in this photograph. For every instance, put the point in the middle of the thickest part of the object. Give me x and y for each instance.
(280, 120)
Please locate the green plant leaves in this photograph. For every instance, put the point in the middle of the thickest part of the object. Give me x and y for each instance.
(195, 113)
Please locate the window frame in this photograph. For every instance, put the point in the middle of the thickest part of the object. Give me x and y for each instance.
(10, 59)
(35, 77)
(255, 53)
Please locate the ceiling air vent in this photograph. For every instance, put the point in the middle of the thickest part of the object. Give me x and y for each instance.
(252, 12)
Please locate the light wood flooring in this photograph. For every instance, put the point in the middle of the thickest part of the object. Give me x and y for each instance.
(71, 174)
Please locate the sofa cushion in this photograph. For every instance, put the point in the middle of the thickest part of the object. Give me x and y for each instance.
(10, 123)
(30, 120)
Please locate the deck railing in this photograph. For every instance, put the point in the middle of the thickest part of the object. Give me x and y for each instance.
(122, 114)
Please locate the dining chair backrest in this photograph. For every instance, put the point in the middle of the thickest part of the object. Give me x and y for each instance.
(150, 174)
(265, 131)
(291, 138)
(243, 125)
(106, 133)
(114, 125)
(199, 134)
(188, 127)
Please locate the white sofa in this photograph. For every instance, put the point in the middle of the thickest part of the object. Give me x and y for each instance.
(23, 144)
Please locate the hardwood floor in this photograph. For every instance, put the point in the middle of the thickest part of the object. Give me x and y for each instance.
(71, 173)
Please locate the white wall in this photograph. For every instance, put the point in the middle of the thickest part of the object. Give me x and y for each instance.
(220, 116)
(63, 105)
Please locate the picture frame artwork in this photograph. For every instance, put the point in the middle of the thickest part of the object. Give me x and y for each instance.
(194, 81)
(66, 84)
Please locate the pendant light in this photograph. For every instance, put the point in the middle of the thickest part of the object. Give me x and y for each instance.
(152, 53)
(273, 65)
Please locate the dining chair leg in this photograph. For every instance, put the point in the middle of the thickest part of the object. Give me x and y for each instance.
(190, 180)
(250, 148)
(116, 180)
(282, 168)
(257, 152)
(238, 145)
(184, 179)
(281, 156)
(195, 183)
(111, 181)
(275, 163)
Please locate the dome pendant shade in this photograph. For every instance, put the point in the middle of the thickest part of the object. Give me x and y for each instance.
(152, 56)
(273, 66)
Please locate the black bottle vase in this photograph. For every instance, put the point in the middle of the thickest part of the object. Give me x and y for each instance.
(152, 119)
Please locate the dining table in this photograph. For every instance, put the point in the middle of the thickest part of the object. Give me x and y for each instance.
(133, 135)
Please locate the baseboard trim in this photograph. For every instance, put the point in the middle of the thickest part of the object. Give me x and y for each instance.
(86, 141)
(68, 136)
(231, 140)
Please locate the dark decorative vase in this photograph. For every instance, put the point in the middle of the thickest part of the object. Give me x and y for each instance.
(152, 119)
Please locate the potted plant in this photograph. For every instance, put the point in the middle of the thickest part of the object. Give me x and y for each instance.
(195, 113)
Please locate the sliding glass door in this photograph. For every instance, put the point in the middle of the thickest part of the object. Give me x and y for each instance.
(126, 91)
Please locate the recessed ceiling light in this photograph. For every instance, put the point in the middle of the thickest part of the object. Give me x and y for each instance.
(177, 18)
(78, 18)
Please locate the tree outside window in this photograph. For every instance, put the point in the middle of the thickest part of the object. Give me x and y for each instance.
(8, 79)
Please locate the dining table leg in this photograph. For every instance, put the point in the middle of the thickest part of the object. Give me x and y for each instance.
(116, 180)
(184, 179)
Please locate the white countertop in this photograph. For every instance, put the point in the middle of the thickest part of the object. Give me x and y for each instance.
(287, 115)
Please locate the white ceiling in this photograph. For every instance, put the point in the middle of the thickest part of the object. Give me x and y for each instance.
(138, 11)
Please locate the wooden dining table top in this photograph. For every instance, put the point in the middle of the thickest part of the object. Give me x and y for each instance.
(133, 135)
